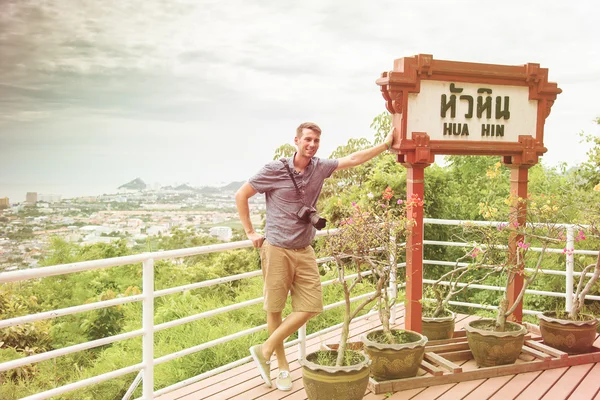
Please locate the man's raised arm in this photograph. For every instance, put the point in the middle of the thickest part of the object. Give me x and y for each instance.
(362, 156)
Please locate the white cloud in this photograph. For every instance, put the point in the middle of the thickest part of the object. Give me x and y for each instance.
(204, 91)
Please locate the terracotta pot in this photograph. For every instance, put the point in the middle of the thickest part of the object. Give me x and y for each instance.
(394, 361)
(335, 383)
(572, 337)
(438, 328)
(492, 348)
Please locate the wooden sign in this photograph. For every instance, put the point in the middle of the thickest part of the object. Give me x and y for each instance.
(451, 107)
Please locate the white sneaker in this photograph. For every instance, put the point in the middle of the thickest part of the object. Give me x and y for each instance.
(284, 381)
(263, 365)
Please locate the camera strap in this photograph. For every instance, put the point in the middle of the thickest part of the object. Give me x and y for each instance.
(285, 164)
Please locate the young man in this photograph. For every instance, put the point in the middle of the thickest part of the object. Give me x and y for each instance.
(287, 258)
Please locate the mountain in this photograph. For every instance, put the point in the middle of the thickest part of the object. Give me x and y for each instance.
(233, 186)
(139, 184)
(136, 184)
(185, 186)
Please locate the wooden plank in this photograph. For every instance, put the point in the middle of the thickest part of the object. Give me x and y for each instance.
(536, 353)
(447, 344)
(542, 384)
(462, 355)
(432, 392)
(462, 390)
(546, 349)
(404, 394)
(432, 369)
(515, 386)
(448, 347)
(489, 387)
(433, 343)
(589, 386)
(442, 362)
(262, 391)
(381, 387)
(567, 383)
(458, 336)
(368, 396)
(489, 372)
(299, 395)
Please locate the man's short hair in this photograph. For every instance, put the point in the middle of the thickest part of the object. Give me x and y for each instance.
(308, 125)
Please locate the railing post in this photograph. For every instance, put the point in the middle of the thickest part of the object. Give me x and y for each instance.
(148, 327)
(393, 285)
(302, 343)
(570, 262)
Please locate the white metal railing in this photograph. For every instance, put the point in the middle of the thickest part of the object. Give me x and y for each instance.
(145, 369)
(569, 272)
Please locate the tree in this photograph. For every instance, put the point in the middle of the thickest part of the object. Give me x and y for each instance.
(285, 150)
(589, 170)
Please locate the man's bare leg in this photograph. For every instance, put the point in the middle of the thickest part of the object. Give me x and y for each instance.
(280, 330)
(273, 322)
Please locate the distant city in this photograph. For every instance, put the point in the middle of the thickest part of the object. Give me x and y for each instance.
(135, 213)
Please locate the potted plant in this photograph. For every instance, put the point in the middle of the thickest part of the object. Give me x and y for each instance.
(395, 353)
(498, 341)
(574, 331)
(361, 240)
(343, 373)
(438, 321)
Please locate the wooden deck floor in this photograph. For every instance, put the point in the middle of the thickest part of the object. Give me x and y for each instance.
(244, 382)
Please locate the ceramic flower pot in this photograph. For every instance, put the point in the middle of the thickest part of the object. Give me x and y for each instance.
(394, 361)
(572, 337)
(335, 383)
(491, 348)
(438, 328)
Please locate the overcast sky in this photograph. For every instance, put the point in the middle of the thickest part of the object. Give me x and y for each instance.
(96, 93)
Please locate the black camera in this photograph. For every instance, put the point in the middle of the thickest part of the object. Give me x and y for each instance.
(309, 215)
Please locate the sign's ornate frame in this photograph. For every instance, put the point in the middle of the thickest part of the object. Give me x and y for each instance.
(406, 78)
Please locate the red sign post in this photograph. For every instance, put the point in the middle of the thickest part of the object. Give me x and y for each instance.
(450, 107)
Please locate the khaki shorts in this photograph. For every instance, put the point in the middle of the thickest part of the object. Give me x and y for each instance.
(294, 271)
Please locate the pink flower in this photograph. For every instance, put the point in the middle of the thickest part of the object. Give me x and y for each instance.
(568, 251)
(580, 236)
(400, 201)
(524, 246)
